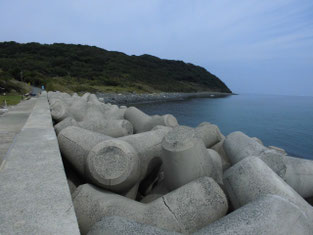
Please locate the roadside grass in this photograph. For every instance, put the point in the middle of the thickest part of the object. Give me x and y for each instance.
(11, 99)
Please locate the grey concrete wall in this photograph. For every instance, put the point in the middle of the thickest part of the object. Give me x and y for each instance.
(34, 194)
(12, 122)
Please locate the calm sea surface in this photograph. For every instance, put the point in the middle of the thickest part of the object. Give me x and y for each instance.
(282, 121)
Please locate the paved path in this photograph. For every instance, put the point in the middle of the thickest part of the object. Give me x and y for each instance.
(36, 90)
(34, 193)
(12, 122)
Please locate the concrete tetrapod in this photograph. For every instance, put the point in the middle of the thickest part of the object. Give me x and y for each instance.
(69, 121)
(148, 146)
(144, 147)
(143, 122)
(218, 147)
(106, 162)
(75, 144)
(299, 175)
(238, 146)
(94, 120)
(161, 188)
(59, 110)
(202, 200)
(95, 110)
(130, 157)
(78, 108)
(217, 173)
(114, 112)
(282, 151)
(209, 133)
(113, 225)
(113, 128)
(92, 98)
(62, 108)
(108, 111)
(185, 157)
(114, 164)
(251, 178)
(58, 95)
(257, 140)
(92, 115)
(269, 214)
(86, 96)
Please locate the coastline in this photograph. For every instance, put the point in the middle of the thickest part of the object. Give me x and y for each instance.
(133, 98)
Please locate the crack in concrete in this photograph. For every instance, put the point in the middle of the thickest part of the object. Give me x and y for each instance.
(182, 228)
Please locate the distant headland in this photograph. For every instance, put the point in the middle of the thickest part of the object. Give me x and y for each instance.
(82, 68)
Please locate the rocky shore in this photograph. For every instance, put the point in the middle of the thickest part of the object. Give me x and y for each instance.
(132, 98)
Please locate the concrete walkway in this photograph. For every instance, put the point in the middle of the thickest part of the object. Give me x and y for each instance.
(12, 122)
(34, 194)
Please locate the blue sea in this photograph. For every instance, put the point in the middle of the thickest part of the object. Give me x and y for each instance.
(282, 121)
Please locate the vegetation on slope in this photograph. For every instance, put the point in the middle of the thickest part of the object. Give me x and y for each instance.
(11, 90)
(10, 99)
(69, 67)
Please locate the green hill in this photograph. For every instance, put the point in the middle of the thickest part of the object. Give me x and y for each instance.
(69, 67)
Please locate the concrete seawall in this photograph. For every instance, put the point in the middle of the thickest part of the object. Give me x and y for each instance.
(34, 194)
(12, 122)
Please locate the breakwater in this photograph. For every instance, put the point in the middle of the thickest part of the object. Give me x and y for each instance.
(148, 173)
(131, 173)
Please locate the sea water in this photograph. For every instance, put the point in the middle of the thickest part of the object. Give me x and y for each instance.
(282, 121)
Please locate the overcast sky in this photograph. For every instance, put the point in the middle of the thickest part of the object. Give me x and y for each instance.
(254, 46)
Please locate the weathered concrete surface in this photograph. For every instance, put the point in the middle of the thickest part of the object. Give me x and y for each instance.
(251, 178)
(6, 139)
(34, 194)
(12, 122)
(118, 225)
(217, 166)
(185, 157)
(107, 162)
(238, 146)
(209, 133)
(185, 209)
(299, 175)
(270, 214)
(220, 149)
(143, 122)
(69, 121)
(114, 164)
(75, 144)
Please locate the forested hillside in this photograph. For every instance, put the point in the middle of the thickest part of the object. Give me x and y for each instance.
(71, 67)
